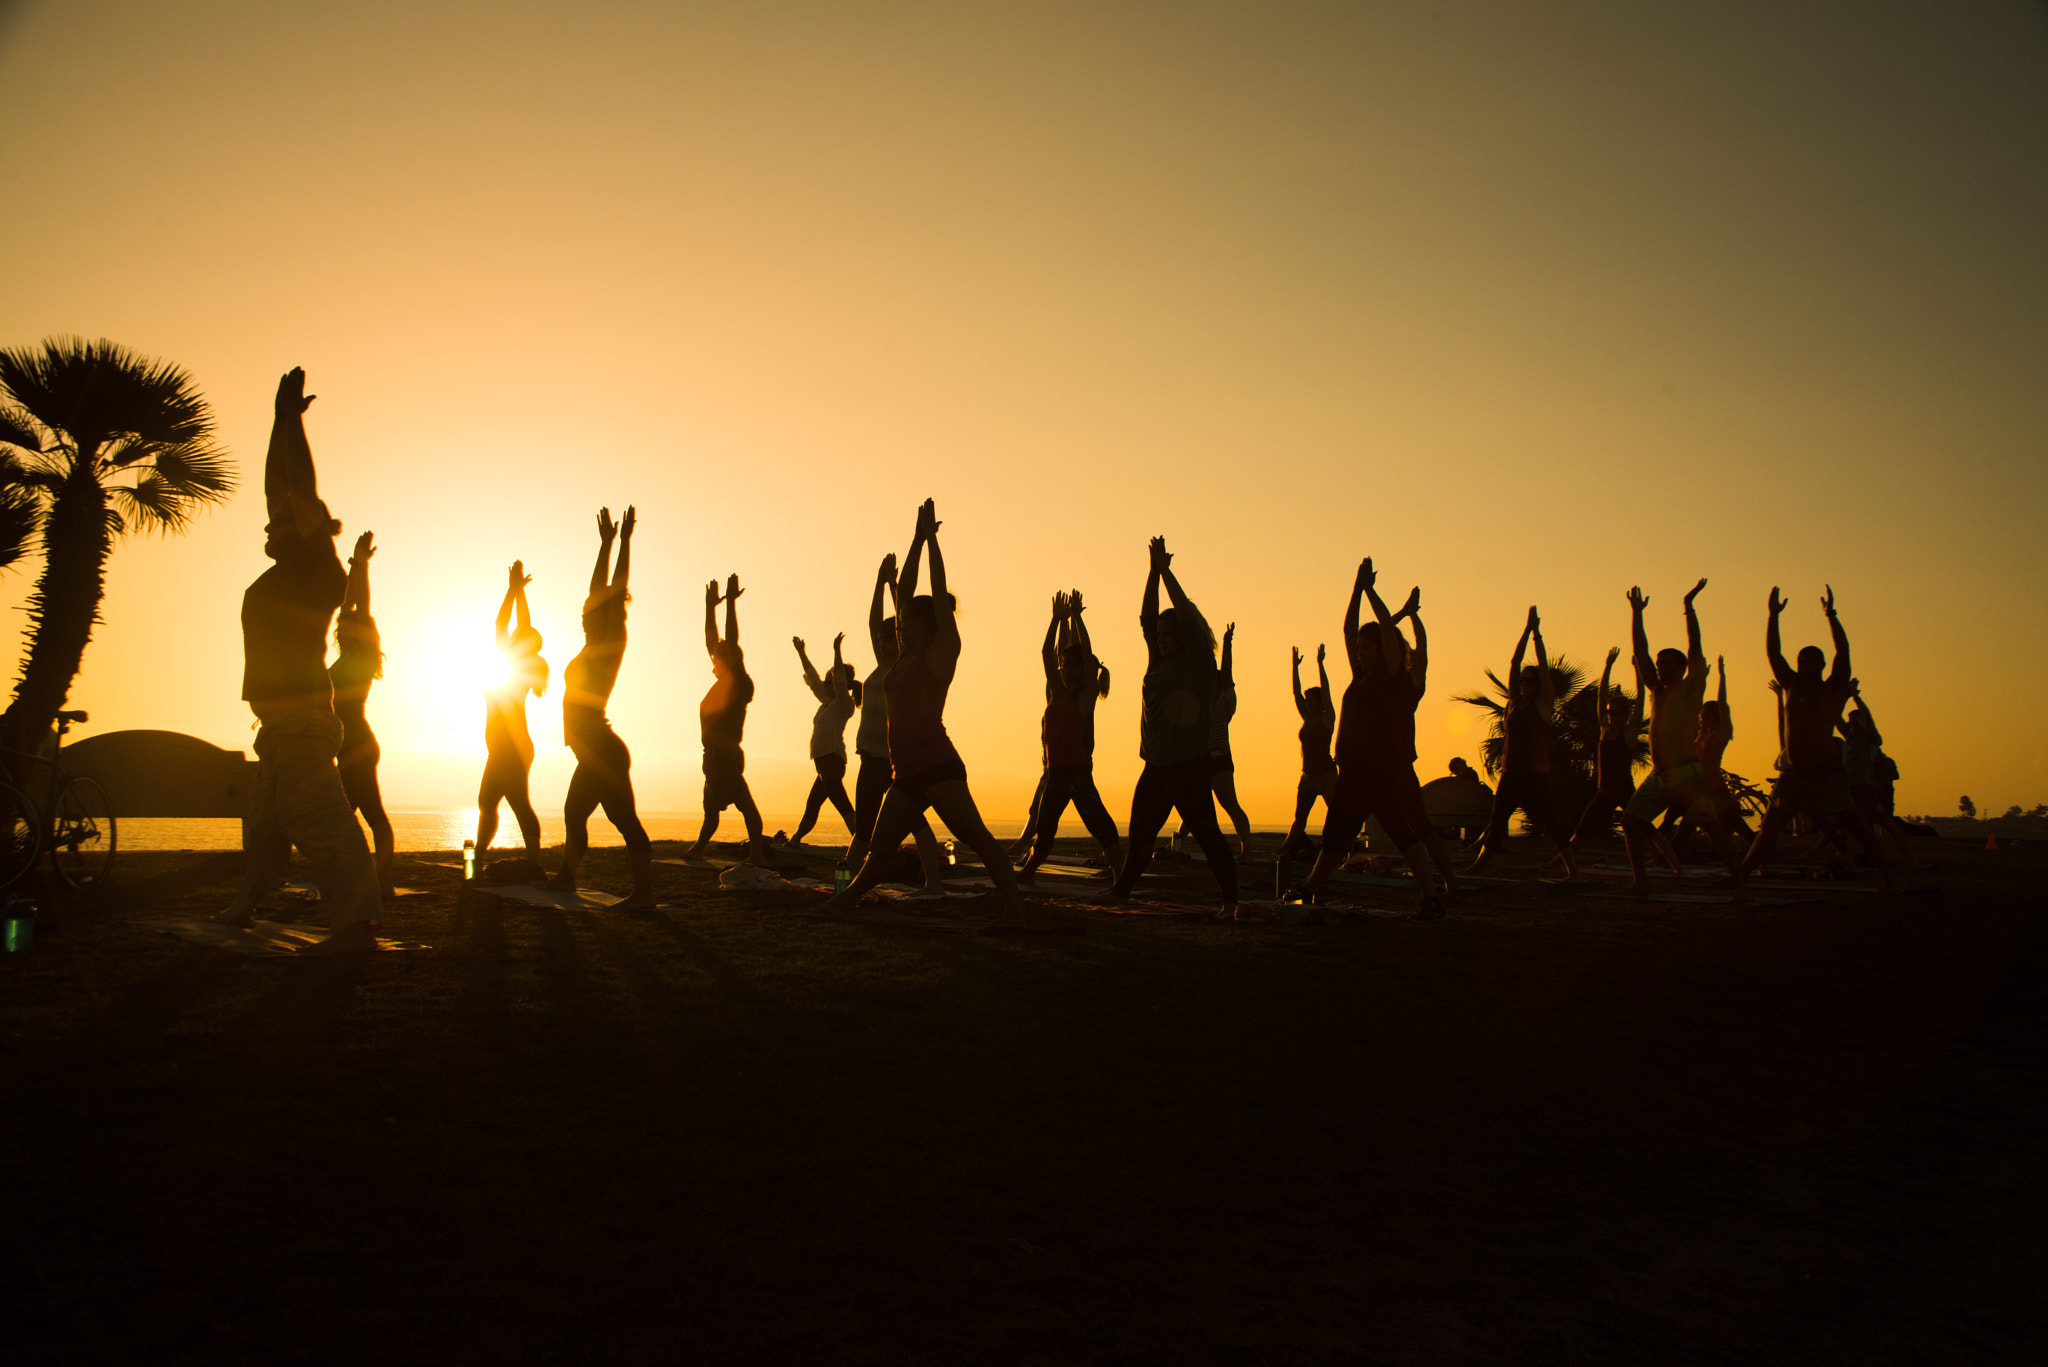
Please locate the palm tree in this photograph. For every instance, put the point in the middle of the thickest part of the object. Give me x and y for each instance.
(1567, 681)
(95, 441)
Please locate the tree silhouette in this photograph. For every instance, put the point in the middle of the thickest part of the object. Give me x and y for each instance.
(95, 441)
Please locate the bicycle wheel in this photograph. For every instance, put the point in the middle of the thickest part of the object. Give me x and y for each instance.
(82, 836)
(23, 838)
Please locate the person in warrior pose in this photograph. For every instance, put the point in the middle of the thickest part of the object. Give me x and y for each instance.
(1173, 730)
(722, 719)
(508, 747)
(838, 695)
(604, 767)
(871, 741)
(299, 799)
(1318, 770)
(1376, 746)
(1676, 683)
(926, 770)
(1074, 681)
(1525, 753)
(1813, 779)
(358, 659)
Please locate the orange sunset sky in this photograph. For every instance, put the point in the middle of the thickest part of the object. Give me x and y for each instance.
(1529, 302)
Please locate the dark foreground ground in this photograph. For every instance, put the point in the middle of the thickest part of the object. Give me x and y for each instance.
(1542, 1130)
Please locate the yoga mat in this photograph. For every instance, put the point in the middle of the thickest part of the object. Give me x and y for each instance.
(263, 940)
(583, 899)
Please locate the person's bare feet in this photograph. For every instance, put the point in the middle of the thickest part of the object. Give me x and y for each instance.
(358, 937)
(564, 881)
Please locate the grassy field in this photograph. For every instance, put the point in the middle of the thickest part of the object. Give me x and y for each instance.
(1545, 1129)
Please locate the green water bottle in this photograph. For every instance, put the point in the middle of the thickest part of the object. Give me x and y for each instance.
(469, 861)
(20, 925)
(842, 874)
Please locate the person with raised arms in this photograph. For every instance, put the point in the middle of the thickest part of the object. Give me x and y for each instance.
(604, 766)
(1813, 779)
(358, 660)
(508, 745)
(1174, 735)
(1676, 683)
(1862, 757)
(1318, 770)
(1376, 746)
(722, 721)
(1074, 682)
(1222, 766)
(1525, 752)
(925, 770)
(299, 798)
(871, 742)
(838, 695)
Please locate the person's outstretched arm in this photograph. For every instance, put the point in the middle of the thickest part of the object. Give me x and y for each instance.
(1646, 668)
(1049, 652)
(1148, 610)
(732, 607)
(1839, 676)
(811, 679)
(1546, 689)
(1695, 657)
(1358, 588)
(878, 617)
(1418, 665)
(601, 573)
(1223, 679)
(1300, 698)
(355, 598)
(622, 571)
(1774, 650)
(1869, 717)
(1606, 675)
(942, 602)
(906, 580)
(290, 486)
(1391, 644)
(512, 599)
(1173, 590)
(1778, 691)
(1079, 624)
(1323, 677)
(711, 618)
(1727, 717)
(1521, 648)
(839, 667)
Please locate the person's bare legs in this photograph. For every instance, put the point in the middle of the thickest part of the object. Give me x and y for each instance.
(528, 819)
(577, 806)
(1703, 816)
(892, 823)
(487, 799)
(1224, 784)
(955, 806)
(1636, 833)
(1440, 855)
(757, 843)
(704, 833)
(931, 856)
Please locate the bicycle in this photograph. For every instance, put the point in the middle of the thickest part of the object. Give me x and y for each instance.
(67, 814)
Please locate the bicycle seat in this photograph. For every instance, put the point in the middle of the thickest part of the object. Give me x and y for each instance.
(69, 717)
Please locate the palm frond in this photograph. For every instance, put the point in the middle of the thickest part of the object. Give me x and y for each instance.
(21, 511)
(17, 428)
(96, 391)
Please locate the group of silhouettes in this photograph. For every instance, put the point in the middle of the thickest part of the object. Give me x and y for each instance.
(317, 756)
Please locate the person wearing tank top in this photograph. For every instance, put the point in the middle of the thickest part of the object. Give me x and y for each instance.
(1176, 699)
(359, 659)
(1074, 681)
(925, 770)
(871, 742)
(838, 695)
(1318, 770)
(1525, 753)
(1614, 764)
(299, 800)
(722, 720)
(508, 745)
(604, 766)
(1376, 747)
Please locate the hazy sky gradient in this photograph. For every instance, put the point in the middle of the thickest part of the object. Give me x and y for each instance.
(1531, 303)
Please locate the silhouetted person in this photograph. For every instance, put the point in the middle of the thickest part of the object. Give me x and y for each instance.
(926, 771)
(838, 695)
(1717, 729)
(1074, 682)
(1871, 771)
(1525, 753)
(1814, 780)
(1318, 770)
(722, 720)
(358, 659)
(508, 746)
(1173, 733)
(299, 800)
(871, 741)
(1222, 767)
(604, 767)
(1676, 683)
(1376, 746)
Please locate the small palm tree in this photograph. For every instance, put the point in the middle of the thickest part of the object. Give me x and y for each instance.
(1567, 681)
(95, 441)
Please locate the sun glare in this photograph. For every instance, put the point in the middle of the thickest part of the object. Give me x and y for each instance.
(440, 690)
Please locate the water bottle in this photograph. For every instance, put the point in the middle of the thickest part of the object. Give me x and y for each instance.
(950, 859)
(20, 925)
(469, 861)
(842, 874)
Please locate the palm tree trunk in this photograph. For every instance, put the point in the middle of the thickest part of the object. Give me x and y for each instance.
(65, 605)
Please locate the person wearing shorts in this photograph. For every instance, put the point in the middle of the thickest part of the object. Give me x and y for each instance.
(871, 744)
(1318, 770)
(1074, 682)
(1525, 753)
(722, 721)
(838, 695)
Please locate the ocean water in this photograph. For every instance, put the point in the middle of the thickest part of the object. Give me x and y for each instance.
(419, 830)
